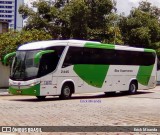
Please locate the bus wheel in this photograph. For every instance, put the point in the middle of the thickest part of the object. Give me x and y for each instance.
(132, 88)
(66, 92)
(41, 97)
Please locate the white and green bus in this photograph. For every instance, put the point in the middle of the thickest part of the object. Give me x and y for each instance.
(65, 67)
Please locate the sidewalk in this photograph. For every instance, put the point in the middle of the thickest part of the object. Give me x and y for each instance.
(3, 92)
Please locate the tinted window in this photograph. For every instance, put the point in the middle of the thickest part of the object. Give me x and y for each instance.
(57, 49)
(82, 55)
(49, 61)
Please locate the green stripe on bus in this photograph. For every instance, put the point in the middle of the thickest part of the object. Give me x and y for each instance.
(144, 74)
(34, 91)
(149, 50)
(92, 74)
(102, 46)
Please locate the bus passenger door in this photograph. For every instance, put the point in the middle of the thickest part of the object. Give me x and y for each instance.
(47, 66)
(48, 85)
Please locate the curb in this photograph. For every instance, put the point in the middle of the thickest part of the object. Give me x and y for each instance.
(4, 94)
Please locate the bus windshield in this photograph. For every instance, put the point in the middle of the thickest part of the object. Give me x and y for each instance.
(23, 66)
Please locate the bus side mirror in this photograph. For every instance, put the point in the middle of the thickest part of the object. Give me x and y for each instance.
(6, 57)
(38, 56)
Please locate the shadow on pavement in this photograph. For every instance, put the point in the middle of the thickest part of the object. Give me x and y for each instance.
(56, 98)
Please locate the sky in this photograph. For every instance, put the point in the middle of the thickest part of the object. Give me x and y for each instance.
(124, 6)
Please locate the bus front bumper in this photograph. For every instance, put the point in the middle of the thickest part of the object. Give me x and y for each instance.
(31, 90)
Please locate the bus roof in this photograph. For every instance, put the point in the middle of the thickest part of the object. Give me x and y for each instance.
(50, 43)
(81, 43)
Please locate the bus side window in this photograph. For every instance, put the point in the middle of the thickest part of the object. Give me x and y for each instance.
(73, 56)
(48, 63)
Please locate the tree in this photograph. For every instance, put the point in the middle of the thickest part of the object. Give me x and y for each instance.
(79, 19)
(148, 8)
(142, 28)
(11, 40)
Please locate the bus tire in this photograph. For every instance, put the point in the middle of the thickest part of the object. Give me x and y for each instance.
(132, 88)
(66, 91)
(41, 97)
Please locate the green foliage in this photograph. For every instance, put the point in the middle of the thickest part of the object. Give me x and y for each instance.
(147, 7)
(11, 40)
(78, 19)
(142, 27)
(89, 20)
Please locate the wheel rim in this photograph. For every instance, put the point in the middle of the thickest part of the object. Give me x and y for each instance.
(133, 88)
(67, 91)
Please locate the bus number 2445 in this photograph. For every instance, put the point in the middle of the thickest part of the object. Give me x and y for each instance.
(64, 71)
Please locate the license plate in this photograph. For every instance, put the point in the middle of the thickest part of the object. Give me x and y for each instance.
(19, 91)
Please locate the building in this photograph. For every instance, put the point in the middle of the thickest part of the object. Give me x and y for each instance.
(3, 27)
(9, 13)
